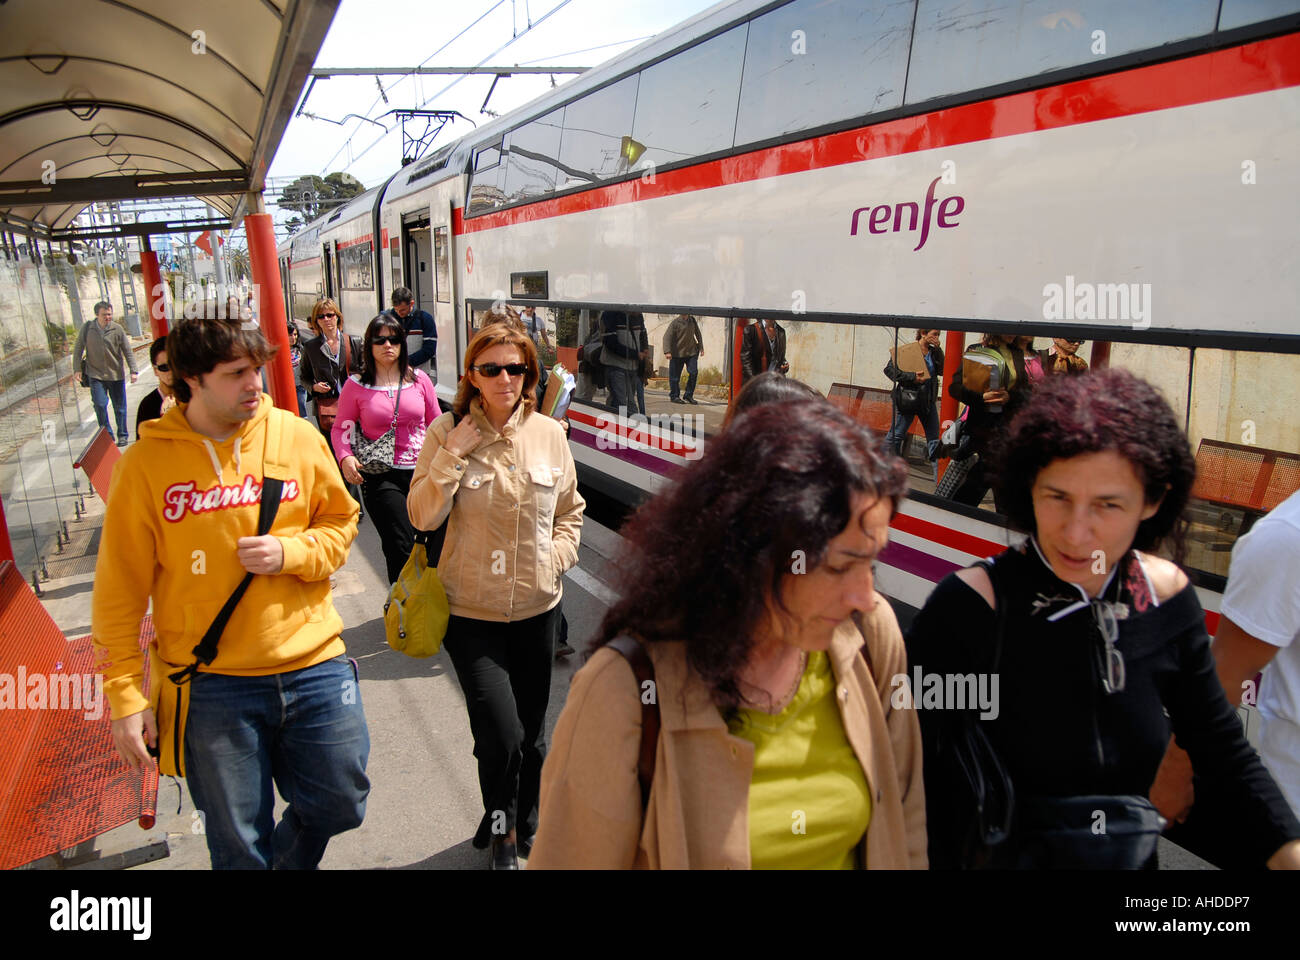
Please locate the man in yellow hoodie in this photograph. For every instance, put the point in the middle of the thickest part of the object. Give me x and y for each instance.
(280, 702)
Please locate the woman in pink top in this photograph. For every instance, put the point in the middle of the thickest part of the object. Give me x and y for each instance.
(387, 395)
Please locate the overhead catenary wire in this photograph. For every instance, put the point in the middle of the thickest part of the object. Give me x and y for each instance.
(558, 7)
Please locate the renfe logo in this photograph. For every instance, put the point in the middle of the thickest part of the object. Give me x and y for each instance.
(878, 222)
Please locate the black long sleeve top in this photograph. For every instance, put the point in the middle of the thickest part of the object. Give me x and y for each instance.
(1057, 731)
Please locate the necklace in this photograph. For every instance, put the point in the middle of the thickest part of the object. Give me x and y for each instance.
(778, 705)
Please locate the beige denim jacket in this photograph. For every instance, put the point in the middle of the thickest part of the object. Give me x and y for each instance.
(515, 517)
(698, 813)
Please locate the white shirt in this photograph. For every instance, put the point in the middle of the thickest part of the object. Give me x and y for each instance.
(1263, 598)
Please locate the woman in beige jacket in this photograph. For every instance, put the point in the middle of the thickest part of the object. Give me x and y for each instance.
(505, 476)
(779, 746)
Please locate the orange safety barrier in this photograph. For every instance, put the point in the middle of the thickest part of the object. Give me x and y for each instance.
(97, 460)
(61, 781)
(1255, 479)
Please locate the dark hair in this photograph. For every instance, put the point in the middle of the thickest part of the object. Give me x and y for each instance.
(99, 306)
(155, 348)
(768, 387)
(1100, 410)
(700, 559)
(402, 295)
(509, 332)
(294, 331)
(195, 347)
(368, 369)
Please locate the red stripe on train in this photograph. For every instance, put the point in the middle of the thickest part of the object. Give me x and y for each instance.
(965, 542)
(1253, 68)
(633, 433)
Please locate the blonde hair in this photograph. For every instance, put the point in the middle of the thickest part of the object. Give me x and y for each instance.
(321, 305)
(494, 334)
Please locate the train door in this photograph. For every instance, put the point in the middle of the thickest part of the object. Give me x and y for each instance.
(451, 342)
(286, 288)
(419, 273)
(327, 269)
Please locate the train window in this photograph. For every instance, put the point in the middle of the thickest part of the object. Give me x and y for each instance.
(1029, 37)
(531, 155)
(1246, 439)
(686, 105)
(441, 265)
(485, 190)
(356, 264)
(805, 65)
(1238, 13)
(595, 128)
(487, 157)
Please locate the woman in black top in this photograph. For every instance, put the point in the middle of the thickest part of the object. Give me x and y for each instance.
(152, 406)
(1103, 647)
(988, 412)
(327, 361)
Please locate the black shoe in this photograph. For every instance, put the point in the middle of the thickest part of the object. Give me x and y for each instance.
(676, 400)
(504, 856)
(562, 650)
(692, 401)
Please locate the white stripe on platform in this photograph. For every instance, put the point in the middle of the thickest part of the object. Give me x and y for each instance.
(593, 586)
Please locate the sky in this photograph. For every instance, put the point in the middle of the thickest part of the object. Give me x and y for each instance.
(407, 33)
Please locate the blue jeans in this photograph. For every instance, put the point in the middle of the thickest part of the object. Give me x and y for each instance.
(101, 391)
(897, 434)
(305, 732)
(622, 388)
(302, 400)
(675, 365)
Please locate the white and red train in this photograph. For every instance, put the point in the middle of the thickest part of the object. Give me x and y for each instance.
(856, 170)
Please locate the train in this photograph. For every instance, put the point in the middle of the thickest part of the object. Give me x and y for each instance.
(856, 171)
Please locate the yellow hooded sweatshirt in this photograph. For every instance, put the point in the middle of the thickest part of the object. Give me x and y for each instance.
(177, 504)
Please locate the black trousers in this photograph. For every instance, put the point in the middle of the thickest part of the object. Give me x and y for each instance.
(385, 498)
(505, 671)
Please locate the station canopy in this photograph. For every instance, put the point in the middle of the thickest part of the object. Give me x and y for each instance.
(104, 100)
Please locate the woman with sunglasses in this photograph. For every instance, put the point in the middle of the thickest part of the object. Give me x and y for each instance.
(388, 395)
(1063, 357)
(327, 361)
(503, 478)
(1098, 645)
(158, 401)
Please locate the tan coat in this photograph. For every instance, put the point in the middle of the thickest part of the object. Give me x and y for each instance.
(699, 800)
(515, 517)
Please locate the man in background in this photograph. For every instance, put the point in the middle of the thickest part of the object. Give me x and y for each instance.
(105, 348)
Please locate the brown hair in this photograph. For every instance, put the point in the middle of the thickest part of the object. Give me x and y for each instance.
(314, 320)
(195, 347)
(490, 336)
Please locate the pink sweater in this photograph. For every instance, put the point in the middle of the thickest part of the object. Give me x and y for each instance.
(373, 408)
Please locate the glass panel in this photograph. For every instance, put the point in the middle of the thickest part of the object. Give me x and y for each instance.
(1246, 437)
(963, 45)
(1238, 13)
(485, 191)
(686, 106)
(594, 128)
(442, 267)
(813, 62)
(531, 154)
(356, 266)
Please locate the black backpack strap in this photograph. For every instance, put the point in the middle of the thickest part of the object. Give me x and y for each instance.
(644, 670)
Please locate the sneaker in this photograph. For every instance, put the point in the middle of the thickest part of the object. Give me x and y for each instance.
(692, 401)
(123, 442)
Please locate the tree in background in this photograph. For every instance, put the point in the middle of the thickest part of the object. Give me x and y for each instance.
(313, 196)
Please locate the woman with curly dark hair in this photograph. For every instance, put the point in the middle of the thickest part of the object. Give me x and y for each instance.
(748, 583)
(1095, 646)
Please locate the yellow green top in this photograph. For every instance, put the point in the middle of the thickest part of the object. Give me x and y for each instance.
(809, 804)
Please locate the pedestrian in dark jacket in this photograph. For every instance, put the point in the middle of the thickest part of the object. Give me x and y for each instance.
(916, 395)
(763, 348)
(422, 332)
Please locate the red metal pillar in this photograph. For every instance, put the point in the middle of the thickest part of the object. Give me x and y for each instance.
(270, 306)
(1100, 355)
(953, 348)
(154, 294)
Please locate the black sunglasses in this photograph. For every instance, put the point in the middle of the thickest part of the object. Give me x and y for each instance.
(334, 315)
(394, 339)
(493, 370)
(163, 367)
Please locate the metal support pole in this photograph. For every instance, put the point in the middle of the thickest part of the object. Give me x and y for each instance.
(270, 307)
(154, 292)
(953, 348)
